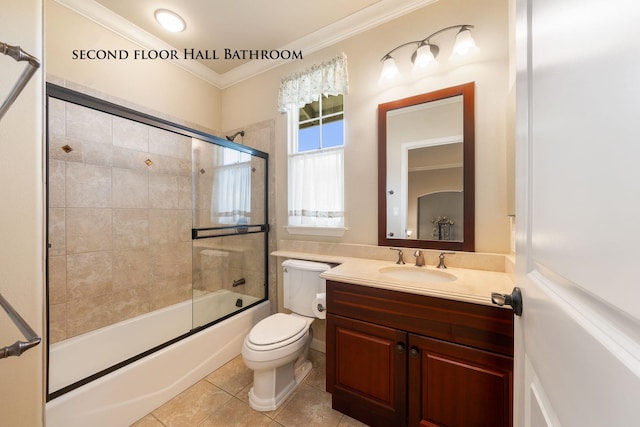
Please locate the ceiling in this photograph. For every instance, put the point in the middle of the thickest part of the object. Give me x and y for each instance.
(238, 25)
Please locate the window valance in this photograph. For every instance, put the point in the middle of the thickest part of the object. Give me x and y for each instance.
(328, 78)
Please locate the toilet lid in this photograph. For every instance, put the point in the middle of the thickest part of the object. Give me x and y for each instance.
(276, 331)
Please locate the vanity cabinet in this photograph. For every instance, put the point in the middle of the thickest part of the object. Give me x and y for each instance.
(396, 359)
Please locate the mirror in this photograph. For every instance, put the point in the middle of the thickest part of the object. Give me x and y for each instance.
(426, 185)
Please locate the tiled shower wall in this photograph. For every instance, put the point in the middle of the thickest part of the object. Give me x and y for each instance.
(119, 228)
(218, 262)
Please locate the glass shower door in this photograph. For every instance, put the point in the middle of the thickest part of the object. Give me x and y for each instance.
(230, 229)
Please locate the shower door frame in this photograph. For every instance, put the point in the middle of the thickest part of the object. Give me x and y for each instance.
(84, 100)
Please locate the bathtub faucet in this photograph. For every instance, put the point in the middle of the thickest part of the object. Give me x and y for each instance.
(239, 282)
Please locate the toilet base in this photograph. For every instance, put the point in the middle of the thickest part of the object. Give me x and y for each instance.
(273, 386)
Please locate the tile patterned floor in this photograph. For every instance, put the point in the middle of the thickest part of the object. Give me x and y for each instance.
(220, 400)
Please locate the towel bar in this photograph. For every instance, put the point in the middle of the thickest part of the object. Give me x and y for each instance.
(18, 347)
(33, 64)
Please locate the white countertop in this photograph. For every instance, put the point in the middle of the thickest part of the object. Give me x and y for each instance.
(468, 285)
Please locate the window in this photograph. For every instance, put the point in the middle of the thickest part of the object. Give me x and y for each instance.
(313, 101)
(316, 164)
(232, 157)
(231, 189)
(321, 124)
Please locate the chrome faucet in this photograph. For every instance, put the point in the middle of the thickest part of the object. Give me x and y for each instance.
(441, 257)
(419, 258)
(400, 255)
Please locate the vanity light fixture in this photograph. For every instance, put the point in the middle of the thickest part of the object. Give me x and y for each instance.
(169, 20)
(426, 52)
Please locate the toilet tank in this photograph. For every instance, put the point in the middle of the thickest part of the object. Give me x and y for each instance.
(302, 282)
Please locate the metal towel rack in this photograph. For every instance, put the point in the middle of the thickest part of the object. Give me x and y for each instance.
(18, 347)
(33, 64)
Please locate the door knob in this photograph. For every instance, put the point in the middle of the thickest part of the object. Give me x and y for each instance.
(414, 352)
(400, 347)
(514, 300)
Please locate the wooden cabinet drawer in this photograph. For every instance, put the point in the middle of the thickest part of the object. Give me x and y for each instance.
(479, 326)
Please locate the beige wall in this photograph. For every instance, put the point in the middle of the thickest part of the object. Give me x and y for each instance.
(22, 217)
(255, 100)
(155, 85)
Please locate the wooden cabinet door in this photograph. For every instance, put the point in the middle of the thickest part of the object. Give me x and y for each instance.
(367, 370)
(458, 386)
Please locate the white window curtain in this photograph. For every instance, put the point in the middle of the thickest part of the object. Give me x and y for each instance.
(328, 78)
(231, 194)
(316, 189)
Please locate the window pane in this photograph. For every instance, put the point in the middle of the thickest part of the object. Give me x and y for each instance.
(337, 118)
(331, 104)
(309, 136)
(310, 111)
(231, 156)
(333, 133)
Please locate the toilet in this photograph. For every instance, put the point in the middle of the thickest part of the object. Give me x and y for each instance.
(276, 348)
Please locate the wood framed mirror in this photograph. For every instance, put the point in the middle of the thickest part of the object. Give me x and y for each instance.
(426, 173)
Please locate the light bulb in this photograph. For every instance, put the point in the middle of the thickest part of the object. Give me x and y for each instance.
(424, 57)
(464, 43)
(389, 70)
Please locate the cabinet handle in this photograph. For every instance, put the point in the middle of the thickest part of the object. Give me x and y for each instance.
(400, 347)
(414, 352)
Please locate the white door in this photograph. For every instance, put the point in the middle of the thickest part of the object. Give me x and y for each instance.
(577, 357)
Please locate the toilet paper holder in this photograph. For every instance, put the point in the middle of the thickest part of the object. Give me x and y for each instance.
(318, 305)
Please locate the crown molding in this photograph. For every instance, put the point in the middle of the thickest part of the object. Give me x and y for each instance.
(370, 17)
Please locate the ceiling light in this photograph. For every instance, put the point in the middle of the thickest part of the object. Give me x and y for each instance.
(169, 20)
(426, 52)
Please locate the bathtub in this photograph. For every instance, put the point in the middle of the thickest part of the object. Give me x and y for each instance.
(127, 394)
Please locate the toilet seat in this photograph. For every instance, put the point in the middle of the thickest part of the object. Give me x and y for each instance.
(276, 331)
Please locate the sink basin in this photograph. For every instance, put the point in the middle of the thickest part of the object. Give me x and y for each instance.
(417, 274)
